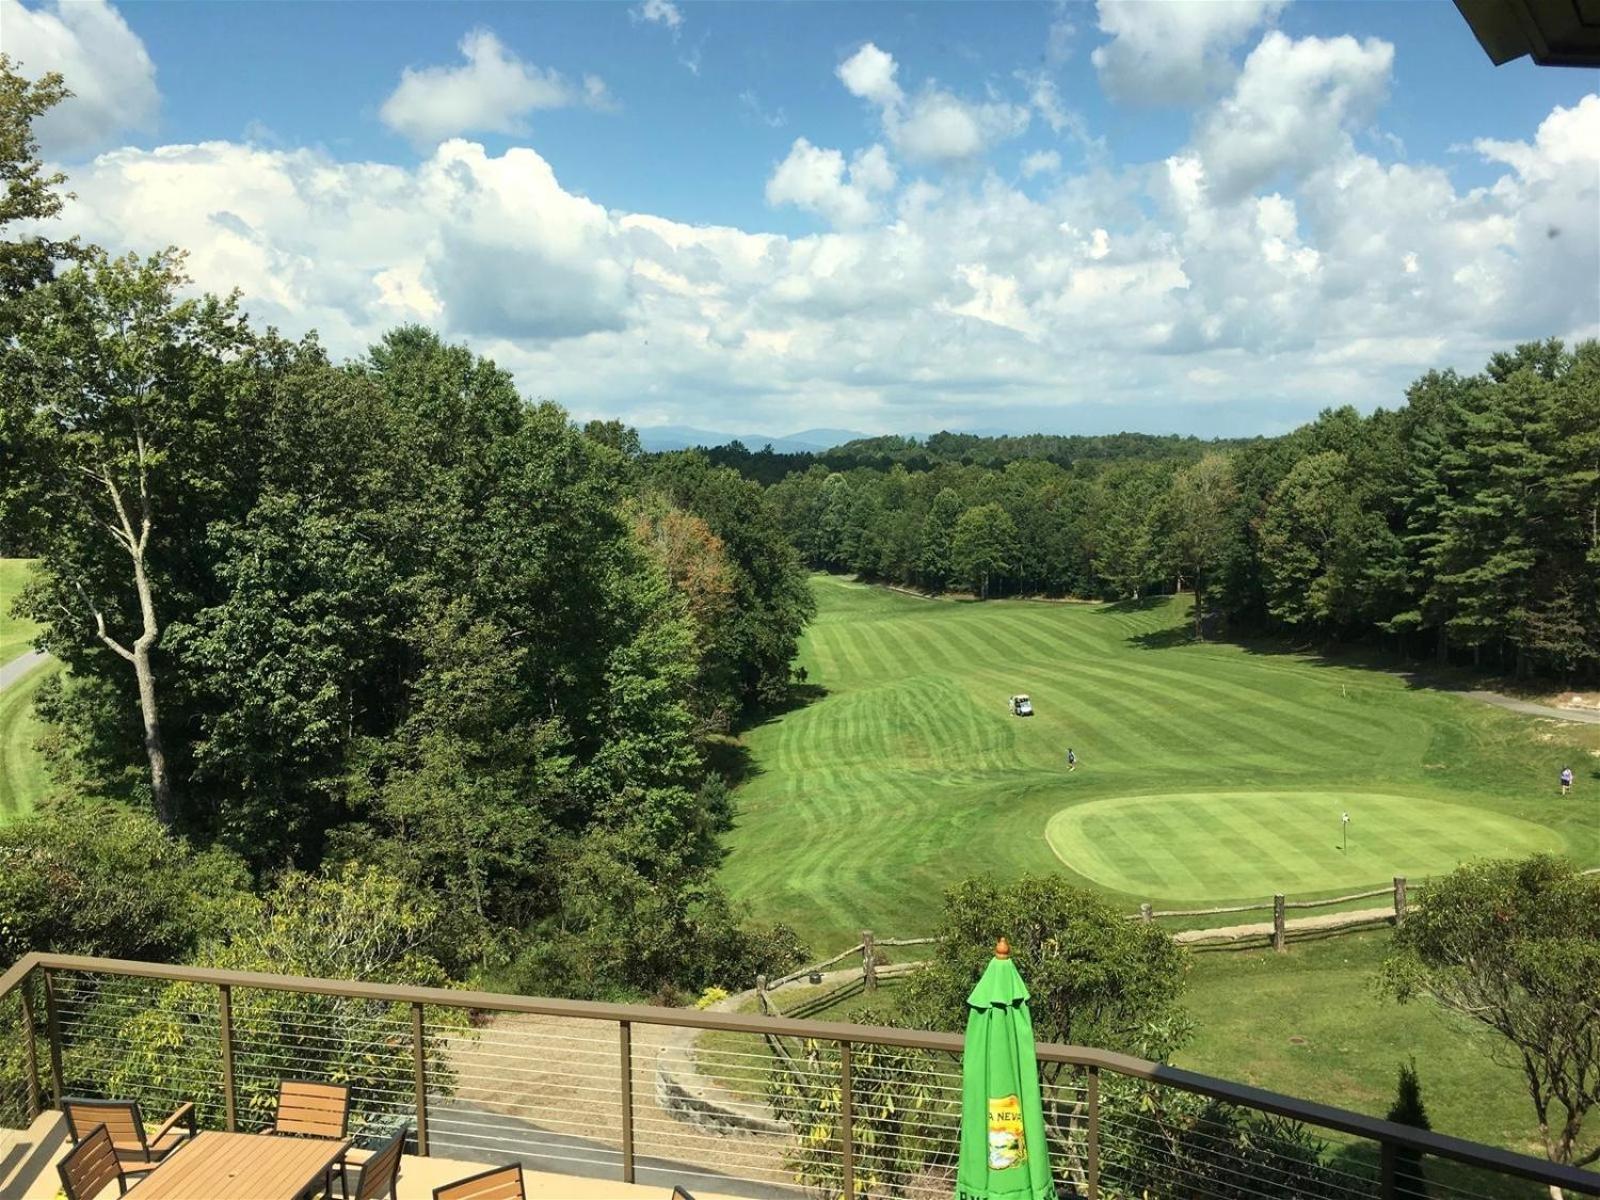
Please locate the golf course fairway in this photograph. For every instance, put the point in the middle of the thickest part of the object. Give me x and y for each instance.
(1208, 771)
(1216, 846)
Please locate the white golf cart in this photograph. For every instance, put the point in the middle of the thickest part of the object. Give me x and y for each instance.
(1021, 706)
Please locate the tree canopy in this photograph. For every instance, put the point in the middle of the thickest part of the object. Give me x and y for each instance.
(1465, 524)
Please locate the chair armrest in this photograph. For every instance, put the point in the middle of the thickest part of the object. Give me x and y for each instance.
(184, 1116)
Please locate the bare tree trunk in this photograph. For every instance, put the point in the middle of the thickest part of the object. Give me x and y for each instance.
(150, 630)
(160, 782)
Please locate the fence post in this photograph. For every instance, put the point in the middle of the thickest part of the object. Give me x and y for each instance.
(1144, 911)
(847, 1137)
(625, 1047)
(53, 1027)
(419, 1063)
(1399, 899)
(1386, 1171)
(1094, 1134)
(225, 1022)
(869, 962)
(31, 1041)
(1279, 943)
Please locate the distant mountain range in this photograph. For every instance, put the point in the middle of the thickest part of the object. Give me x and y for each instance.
(685, 437)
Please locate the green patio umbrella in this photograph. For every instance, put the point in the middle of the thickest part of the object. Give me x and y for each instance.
(1003, 1151)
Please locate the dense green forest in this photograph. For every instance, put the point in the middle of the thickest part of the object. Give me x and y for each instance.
(1464, 524)
(766, 466)
(384, 612)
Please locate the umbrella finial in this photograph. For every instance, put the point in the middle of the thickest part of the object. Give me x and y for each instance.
(1002, 949)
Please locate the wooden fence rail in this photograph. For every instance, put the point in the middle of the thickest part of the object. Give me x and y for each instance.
(1401, 893)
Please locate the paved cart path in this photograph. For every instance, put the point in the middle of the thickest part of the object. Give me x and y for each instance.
(22, 665)
(1528, 708)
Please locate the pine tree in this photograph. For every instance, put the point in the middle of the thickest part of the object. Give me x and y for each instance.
(1408, 1109)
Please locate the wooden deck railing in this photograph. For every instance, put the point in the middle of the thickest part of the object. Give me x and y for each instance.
(1092, 1070)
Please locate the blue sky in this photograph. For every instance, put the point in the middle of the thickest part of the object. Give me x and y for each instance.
(1212, 217)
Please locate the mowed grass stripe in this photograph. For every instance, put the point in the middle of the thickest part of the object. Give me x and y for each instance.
(909, 774)
(23, 777)
(1186, 688)
(1166, 842)
(1197, 723)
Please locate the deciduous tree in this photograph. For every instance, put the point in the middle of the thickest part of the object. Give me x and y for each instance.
(1515, 947)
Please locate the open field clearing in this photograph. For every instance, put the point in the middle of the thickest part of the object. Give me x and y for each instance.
(1207, 771)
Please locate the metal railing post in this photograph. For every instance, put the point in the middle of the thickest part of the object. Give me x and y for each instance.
(1093, 1188)
(847, 1136)
(31, 1042)
(225, 1024)
(625, 1046)
(53, 1029)
(419, 1062)
(1386, 1171)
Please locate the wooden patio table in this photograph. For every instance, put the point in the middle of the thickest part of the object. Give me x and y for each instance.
(242, 1166)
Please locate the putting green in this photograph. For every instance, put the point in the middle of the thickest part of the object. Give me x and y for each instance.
(1231, 845)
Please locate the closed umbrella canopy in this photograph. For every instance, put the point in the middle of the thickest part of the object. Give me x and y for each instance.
(1003, 1151)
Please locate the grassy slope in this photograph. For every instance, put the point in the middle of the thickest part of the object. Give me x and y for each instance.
(909, 774)
(22, 774)
(23, 779)
(1314, 1025)
(15, 633)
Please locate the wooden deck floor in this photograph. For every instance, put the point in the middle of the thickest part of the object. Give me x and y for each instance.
(28, 1172)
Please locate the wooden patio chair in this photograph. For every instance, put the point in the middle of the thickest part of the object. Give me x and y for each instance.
(124, 1122)
(309, 1109)
(314, 1110)
(502, 1183)
(380, 1176)
(91, 1166)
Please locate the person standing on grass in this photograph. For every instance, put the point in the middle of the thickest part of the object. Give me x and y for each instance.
(1072, 760)
(1566, 779)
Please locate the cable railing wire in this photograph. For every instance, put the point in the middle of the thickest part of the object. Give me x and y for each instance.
(538, 1085)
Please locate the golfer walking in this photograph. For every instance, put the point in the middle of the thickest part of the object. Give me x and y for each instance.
(1566, 777)
(1072, 760)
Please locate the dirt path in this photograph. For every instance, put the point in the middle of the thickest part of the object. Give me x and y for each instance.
(1290, 926)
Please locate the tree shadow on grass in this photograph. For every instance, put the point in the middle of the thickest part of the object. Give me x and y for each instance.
(1163, 639)
(1144, 604)
(731, 759)
(800, 695)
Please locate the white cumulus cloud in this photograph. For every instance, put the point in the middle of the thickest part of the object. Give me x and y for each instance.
(1173, 53)
(816, 179)
(100, 59)
(1040, 162)
(658, 12)
(1292, 108)
(934, 125)
(943, 303)
(870, 74)
(493, 91)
